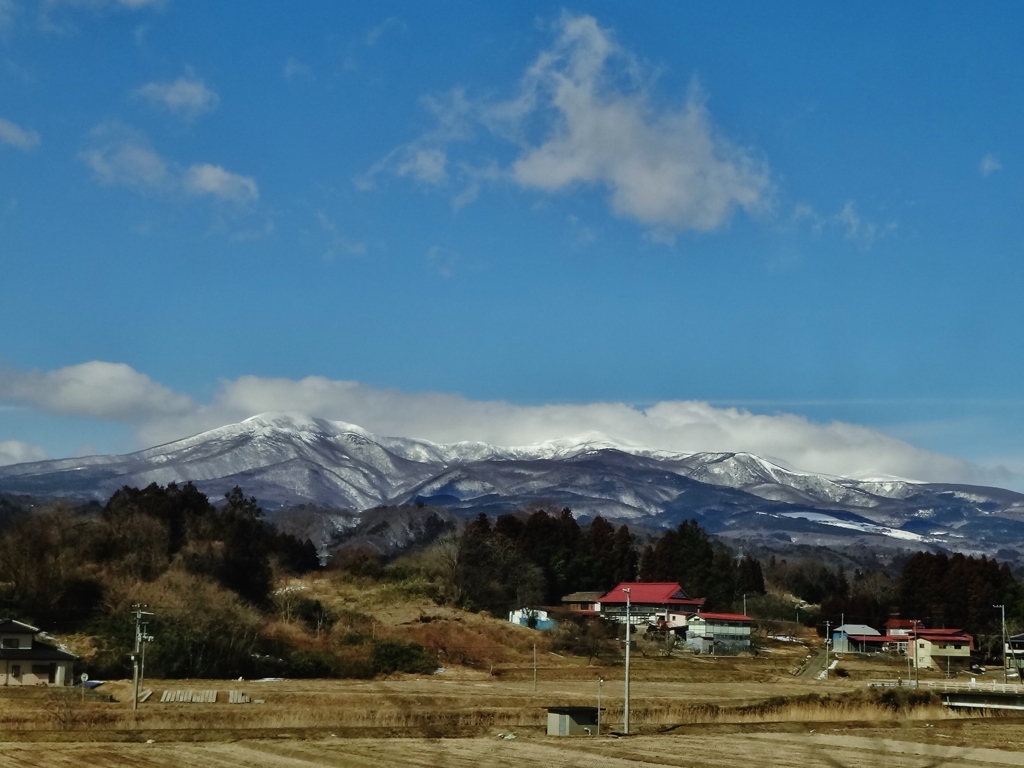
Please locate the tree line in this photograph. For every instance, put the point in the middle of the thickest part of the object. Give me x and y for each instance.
(536, 559)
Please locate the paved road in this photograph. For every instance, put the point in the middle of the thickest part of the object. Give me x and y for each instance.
(814, 666)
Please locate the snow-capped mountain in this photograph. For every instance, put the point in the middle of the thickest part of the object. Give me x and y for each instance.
(288, 459)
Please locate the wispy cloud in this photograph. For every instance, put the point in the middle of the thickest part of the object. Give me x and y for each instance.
(8, 15)
(122, 156)
(425, 159)
(583, 117)
(54, 14)
(989, 164)
(119, 393)
(14, 135)
(213, 180)
(294, 69)
(338, 244)
(187, 97)
(375, 33)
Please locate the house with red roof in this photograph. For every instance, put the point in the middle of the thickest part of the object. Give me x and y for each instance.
(649, 603)
(933, 646)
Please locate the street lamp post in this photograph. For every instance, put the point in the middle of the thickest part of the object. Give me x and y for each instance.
(625, 712)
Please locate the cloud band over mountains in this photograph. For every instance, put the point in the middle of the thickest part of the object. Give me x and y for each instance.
(117, 392)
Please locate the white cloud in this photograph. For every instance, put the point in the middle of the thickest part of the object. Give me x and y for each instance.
(989, 165)
(98, 389)
(119, 393)
(16, 452)
(186, 97)
(20, 138)
(206, 179)
(120, 155)
(584, 117)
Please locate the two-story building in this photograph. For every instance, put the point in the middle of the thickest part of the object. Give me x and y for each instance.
(26, 660)
(647, 602)
(718, 632)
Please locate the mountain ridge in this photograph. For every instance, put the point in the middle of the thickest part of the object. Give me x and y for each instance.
(290, 459)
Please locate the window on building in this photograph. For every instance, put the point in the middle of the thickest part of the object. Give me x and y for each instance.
(9, 642)
(16, 670)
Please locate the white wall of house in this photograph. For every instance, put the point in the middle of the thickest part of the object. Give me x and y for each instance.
(36, 673)
(15, 640)
(929, 651)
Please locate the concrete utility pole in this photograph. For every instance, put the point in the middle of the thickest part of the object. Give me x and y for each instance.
(917, 672)
(744, 603)
(1002, 608)
(827, 625)
(600, 681)
(625, 710)
(141, 638)
(534, 667)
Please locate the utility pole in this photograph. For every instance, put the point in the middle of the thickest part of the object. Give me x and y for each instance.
(744, 604)
(534, 667)
(141, 638)
(625, 709)
(827, 625)
(600, 681)
(1002, 638)
(917, 669)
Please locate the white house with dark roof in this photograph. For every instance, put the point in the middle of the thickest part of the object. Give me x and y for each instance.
(26, 660)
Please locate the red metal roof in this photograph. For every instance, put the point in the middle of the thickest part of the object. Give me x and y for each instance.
(650, 593)
(899, 624)
(944, 637)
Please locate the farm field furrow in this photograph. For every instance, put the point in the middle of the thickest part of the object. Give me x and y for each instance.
(780, 750)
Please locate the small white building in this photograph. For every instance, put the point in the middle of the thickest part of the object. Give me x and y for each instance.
(26, 660)
(718, 632)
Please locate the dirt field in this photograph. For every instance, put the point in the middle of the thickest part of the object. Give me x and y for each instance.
(836, 747)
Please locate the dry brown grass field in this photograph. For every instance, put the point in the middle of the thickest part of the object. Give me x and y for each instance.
(687, 710)
(692, 711)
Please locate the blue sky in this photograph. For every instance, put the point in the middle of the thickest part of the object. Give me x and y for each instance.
(793, 231)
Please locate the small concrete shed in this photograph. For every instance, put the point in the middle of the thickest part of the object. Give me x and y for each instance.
(572, 721)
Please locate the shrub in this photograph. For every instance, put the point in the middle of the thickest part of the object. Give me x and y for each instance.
(395, 656)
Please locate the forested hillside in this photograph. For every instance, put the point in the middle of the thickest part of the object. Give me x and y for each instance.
(233, 596)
